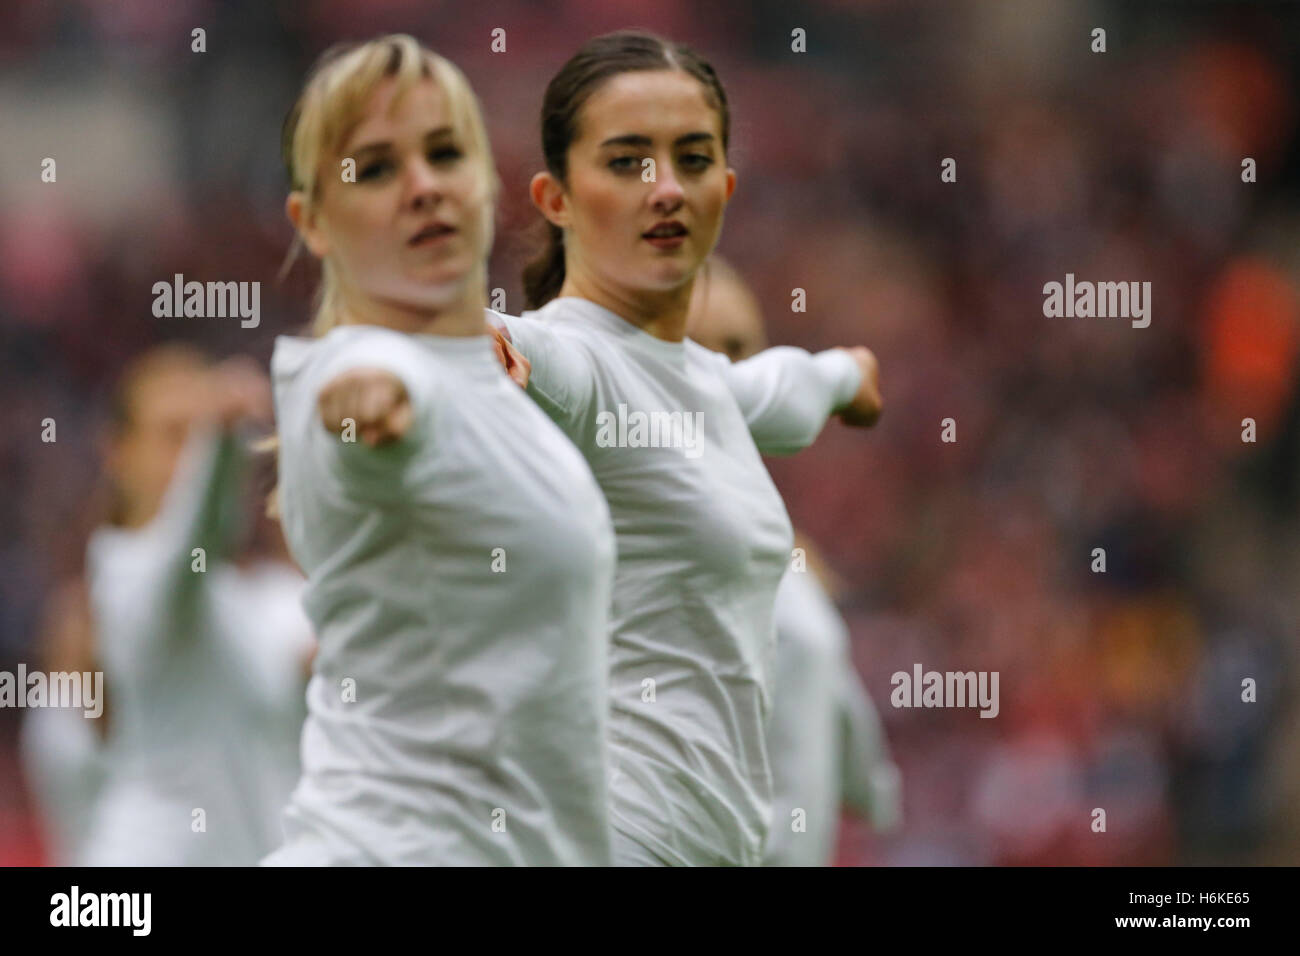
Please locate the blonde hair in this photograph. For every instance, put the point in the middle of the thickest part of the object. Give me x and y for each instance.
(333, 101)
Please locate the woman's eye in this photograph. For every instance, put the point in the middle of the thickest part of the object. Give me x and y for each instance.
(697, 161)
(445, 154)
(374, 170)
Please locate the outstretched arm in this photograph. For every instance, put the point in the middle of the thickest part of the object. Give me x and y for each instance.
(364, 414)
(202, 505)
(161, 582)
(373, 401)
(558, 376)
(786, 394)
(374, 423)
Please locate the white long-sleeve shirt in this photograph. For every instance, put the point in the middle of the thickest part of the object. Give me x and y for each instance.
(65, 770)
(459, 584)
(824, 736)
(703, 539)
(202, 673)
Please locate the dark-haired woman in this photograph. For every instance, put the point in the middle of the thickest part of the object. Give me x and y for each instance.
(634, 133)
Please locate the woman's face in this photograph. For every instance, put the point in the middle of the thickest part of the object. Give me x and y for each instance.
(142, 457)
(414, 225)
(624, 232)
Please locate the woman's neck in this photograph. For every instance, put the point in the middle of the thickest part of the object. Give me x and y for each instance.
(460, 318)
(661, 314)
(137, 514)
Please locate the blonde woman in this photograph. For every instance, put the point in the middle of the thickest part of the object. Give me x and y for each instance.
(458, 551)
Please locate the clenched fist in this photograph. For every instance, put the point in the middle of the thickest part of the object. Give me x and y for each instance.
(239, 391)
(864, 411)
(376, 400)
(511, 359)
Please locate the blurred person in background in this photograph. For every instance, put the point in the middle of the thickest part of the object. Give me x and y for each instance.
(825, 741)
(61, 747)
(194, 755)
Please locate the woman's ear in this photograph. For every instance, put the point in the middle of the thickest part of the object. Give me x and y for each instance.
(731, 182)
(304, 220)
(549, 198)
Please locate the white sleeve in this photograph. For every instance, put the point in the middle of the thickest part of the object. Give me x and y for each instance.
(562, 380)
(64, 765)
(201, 509)
(163, 590)
(786, 393)
(154, 584)
(870, 782)
(382, 473)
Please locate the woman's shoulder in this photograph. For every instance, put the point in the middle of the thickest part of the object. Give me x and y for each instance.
(303, 348)
(298, 358)
(567, 315)
(706, 358)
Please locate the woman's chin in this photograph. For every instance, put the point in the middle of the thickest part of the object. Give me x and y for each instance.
(438, 289)
(667, 276)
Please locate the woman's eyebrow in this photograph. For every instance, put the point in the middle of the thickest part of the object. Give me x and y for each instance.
(628, 139)
(693, 138)
(379, 146)
(376, 147)
(638, 139)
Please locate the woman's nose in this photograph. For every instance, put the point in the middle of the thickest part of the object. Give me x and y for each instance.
(422, 184)
(667, 192)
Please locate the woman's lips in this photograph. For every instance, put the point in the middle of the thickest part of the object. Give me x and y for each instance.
(668, 234)
(431, 234)
(665, 242)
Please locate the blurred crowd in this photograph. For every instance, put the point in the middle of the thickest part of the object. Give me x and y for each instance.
(1122, 689)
